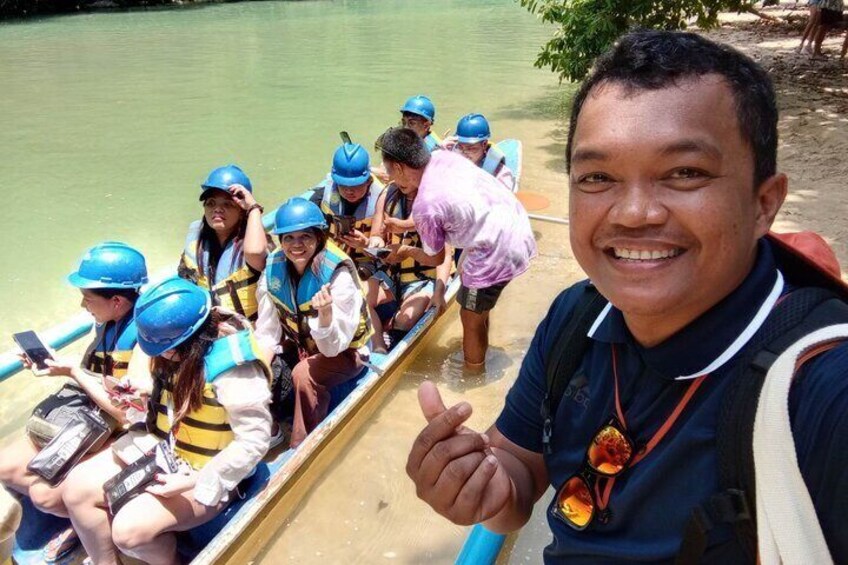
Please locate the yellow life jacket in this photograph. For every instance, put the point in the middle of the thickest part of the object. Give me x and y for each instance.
(236, 291)
(408, 271)
(111, 350)
(204, 433)
(294, 300)
(331, 205)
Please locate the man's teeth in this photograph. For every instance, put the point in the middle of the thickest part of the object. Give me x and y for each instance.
(644, 254)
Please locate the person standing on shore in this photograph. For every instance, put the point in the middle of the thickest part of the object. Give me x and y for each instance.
(672, 156)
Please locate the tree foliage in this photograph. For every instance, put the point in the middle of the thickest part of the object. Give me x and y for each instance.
(586, 28)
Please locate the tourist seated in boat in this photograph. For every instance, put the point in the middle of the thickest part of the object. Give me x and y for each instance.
(418, 114)
(225, 250)
(209, 397)
(312, 312)
(108, 277)
(412, 286)
(472, 140)
(348, 198)
(457, 204)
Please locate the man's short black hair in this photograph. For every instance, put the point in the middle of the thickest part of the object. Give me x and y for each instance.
(404, 146)
(652, 60)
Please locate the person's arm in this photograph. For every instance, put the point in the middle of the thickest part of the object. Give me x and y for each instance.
(398, 226)
(267, 328)
(339, 305)
(255, 242)
(419, 255)
(88, 382)
(138, 372)
(443, 273)
(375, 236)
(245, 395)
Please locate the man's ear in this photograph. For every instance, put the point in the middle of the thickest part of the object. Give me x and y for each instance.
(770, 197)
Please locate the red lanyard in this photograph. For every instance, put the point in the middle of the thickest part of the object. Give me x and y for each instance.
(603, 499)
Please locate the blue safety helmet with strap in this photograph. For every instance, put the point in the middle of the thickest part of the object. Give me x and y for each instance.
(422, 106)
(473, 128)
(170, 312)
(223, 178)
(111, 264)
(351, 165)
(298, 214)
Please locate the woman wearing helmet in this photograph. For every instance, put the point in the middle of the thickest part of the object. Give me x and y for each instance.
(108, 277)
(472, 141)
(209, 401)
(225, 251)
(311, 311)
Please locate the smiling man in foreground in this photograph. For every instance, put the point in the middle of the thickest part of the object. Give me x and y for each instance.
(625, 394)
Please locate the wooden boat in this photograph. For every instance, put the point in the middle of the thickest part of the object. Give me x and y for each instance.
(285, 476)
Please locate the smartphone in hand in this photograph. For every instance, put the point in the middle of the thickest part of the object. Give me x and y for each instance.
(34, 349)
(378, 252)
(344, 224)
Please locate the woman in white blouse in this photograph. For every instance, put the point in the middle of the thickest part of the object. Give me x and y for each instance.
(311, 309)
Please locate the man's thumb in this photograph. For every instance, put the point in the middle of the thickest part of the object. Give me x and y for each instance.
(430, 400)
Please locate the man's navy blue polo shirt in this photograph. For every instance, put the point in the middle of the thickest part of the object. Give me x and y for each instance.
(651, 501)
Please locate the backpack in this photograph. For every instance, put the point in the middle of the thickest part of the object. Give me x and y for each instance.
(820, 301)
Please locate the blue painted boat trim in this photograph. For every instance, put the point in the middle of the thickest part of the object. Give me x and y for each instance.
(481, 547)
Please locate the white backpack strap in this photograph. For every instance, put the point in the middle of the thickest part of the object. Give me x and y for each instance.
(788, 530)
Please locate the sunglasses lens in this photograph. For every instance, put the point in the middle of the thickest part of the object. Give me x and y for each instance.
(575, 502)
(610, 451)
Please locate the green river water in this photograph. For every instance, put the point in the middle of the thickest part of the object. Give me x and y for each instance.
(109, 122)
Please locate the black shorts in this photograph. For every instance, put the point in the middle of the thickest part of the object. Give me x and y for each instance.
(830, 17)
(480, 300)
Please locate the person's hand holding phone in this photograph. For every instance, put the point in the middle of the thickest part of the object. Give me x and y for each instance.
(243, 197)
(355, 239)
(34, 352)
(398, 254)
(55, 367)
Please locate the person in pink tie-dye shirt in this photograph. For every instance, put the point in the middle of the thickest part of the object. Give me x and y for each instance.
(460, 205)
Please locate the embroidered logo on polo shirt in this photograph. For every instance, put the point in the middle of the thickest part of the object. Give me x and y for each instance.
(578, 390)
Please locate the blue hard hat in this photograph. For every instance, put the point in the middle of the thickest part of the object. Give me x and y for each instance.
(351, 165)
(472, 128)
(420, 105)
(111, 264)
(223, 178)
(298, 214)
(169, 312)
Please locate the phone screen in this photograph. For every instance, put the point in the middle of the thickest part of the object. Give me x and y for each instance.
(378, 252)
(33, 348)
(344, 224)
